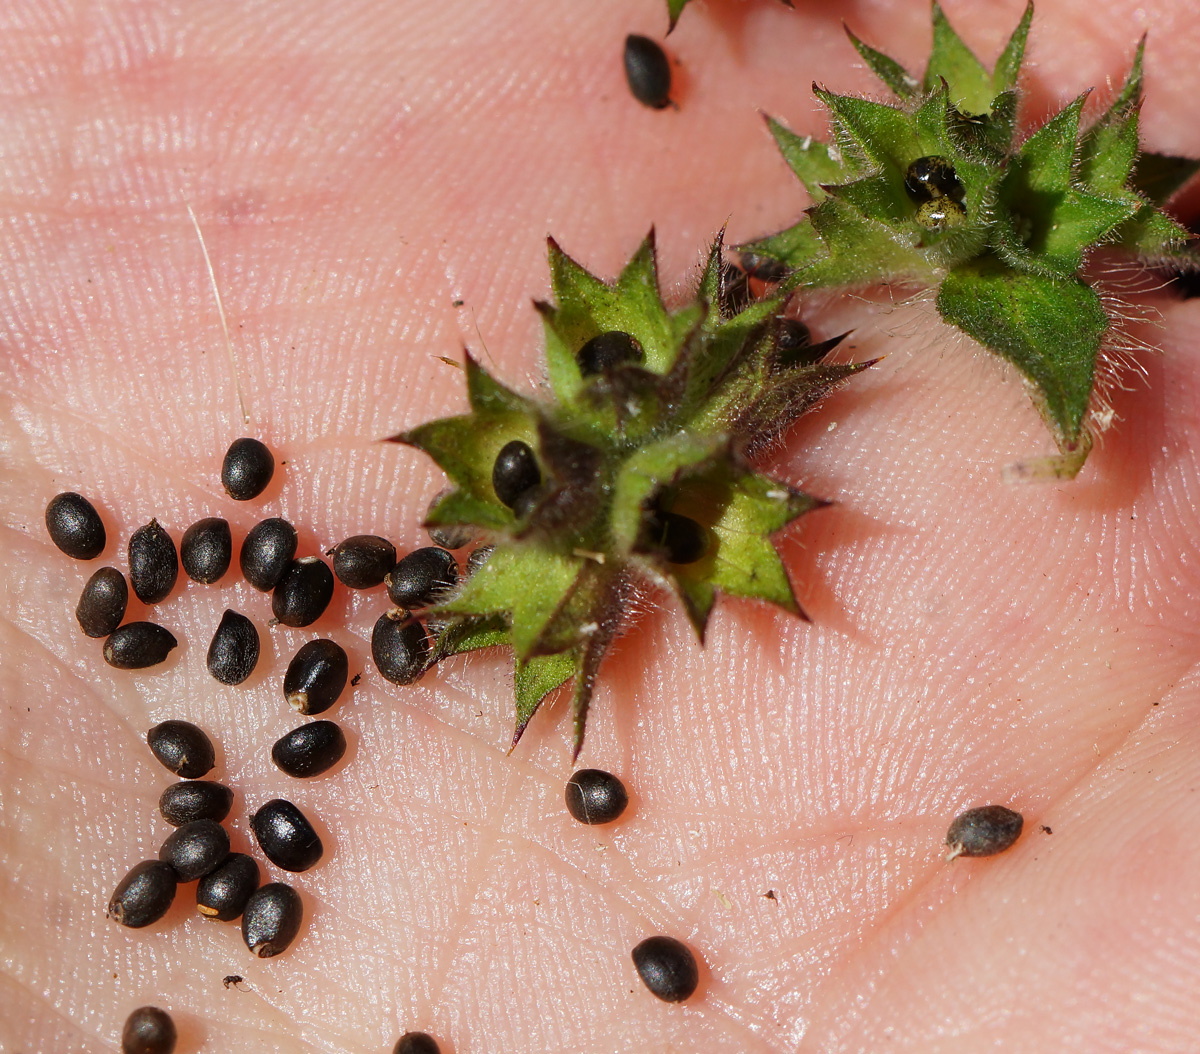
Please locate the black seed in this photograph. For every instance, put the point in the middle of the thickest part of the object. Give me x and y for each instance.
(206, 550)
(647, 72)
(478, 557)
(400, 649)
(195, 849)
(449, 536)
(764, 268)
(153, 564)
(74, 526)
(595, 796)
(303, 593)
(102, 602)
(794, 343)
(362, 561)
(247, 469)
(515, 471)
(222, 894)
(286, 836)
(932, 177)
(316, 676)
(416, 1043)
(148, 1030)
(138, 645)
(422, 577)
(183, 748)
(667, 967)
(984, 831)
(144, 895)
(607, 351)
(193, 800)
(733, 291)
(310, 749)
(271, 919)
(680, 539)
(233, 653)
(267, 552)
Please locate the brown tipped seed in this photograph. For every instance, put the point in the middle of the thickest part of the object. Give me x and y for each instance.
(316, 676)
(362, 561)
(153, 563)
(195, 849)
(182, 747)
(75, 526)
(102, 603)
(271, 919)
(400, 649)
(285, 836)
(192, 800)
(595, 796)
(138, 646)
(310, 749)
(422, 577)
(607, 351)
(984, 831)
(267, 552)
(144, 895)
(222, 894)
(233, 653)
(206, 550)
(416, 1043)
(647, 72)
(303, 593)
(449, 536)
(667, 967)
(148, 1030)
(247, 469)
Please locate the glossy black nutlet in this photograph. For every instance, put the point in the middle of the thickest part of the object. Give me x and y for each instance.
(607, 351)
(285, 836)
(984, 831)
(515, 471)
(362, 561)
(422, 577)
(191, 800)
(310, 749)
(648, 72)
(449, 536)
(183, 748)
(595, 796)
(933, 177)
(316, 676)
(75, 526)
(267, 552)
(144, 895)
(138, 645)
(195, 849)
(271, 919)
(667, 967)
(148, 1030)
(233, 653)
(206, 550)
(303, 593)
(247, 469)
(680, 539)
(794, 344)
(153, 563)
(222, 893)
(400, 649)
(416, 1043)
(102, 603)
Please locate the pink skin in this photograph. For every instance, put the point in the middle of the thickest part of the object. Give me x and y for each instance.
(357, 168)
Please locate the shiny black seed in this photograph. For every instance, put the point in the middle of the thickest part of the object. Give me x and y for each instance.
(102, 602)
(310, 749)
(316, 676)
(303, 593)
(233, 653)
(192, 800)
(267, 552)
(515, 471)
(647, 72)
(449, 536)
(183, 748)
(607, 351)
(794, 344)
(362, 561)
(764, 268)
(667, 967)
(680, 539)
(222, 894)
(144, 895)
(478, 557)
(400, 649)
(286, 836)
(247, 469)
(416, 1043)
(148, 1030)
(271, 919)
(984, 831)
(595, 796)
(206, 550)
(195, 849)
(422, 577)
(74, 526)
(138, 645)
(932, 177)
(153, 563)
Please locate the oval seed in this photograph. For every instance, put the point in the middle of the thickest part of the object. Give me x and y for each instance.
(734, 294)
(222, 894)
(647, 72)
(75, 526)
(941, 213)
(310, 749)
(148, 1030)
(933, 177)
(607, 351)
(138, 645)
(680, 539)
(316, 676)
(271, 919)
(416, 1043)
(422, 577)
(984, 831)
(195, 849)
(192, 800)
(153, 563)
(595, 796)
(362, 562)
(182, 747)
(449, 536)
(144, 895)
(267, 552)
(102, 603)
(793, 341)
(303, 593)
(233, 653)
(667, 967)
(515, 471)
(206, 550)
(247, 469)
(285, 836)
(400, 649)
